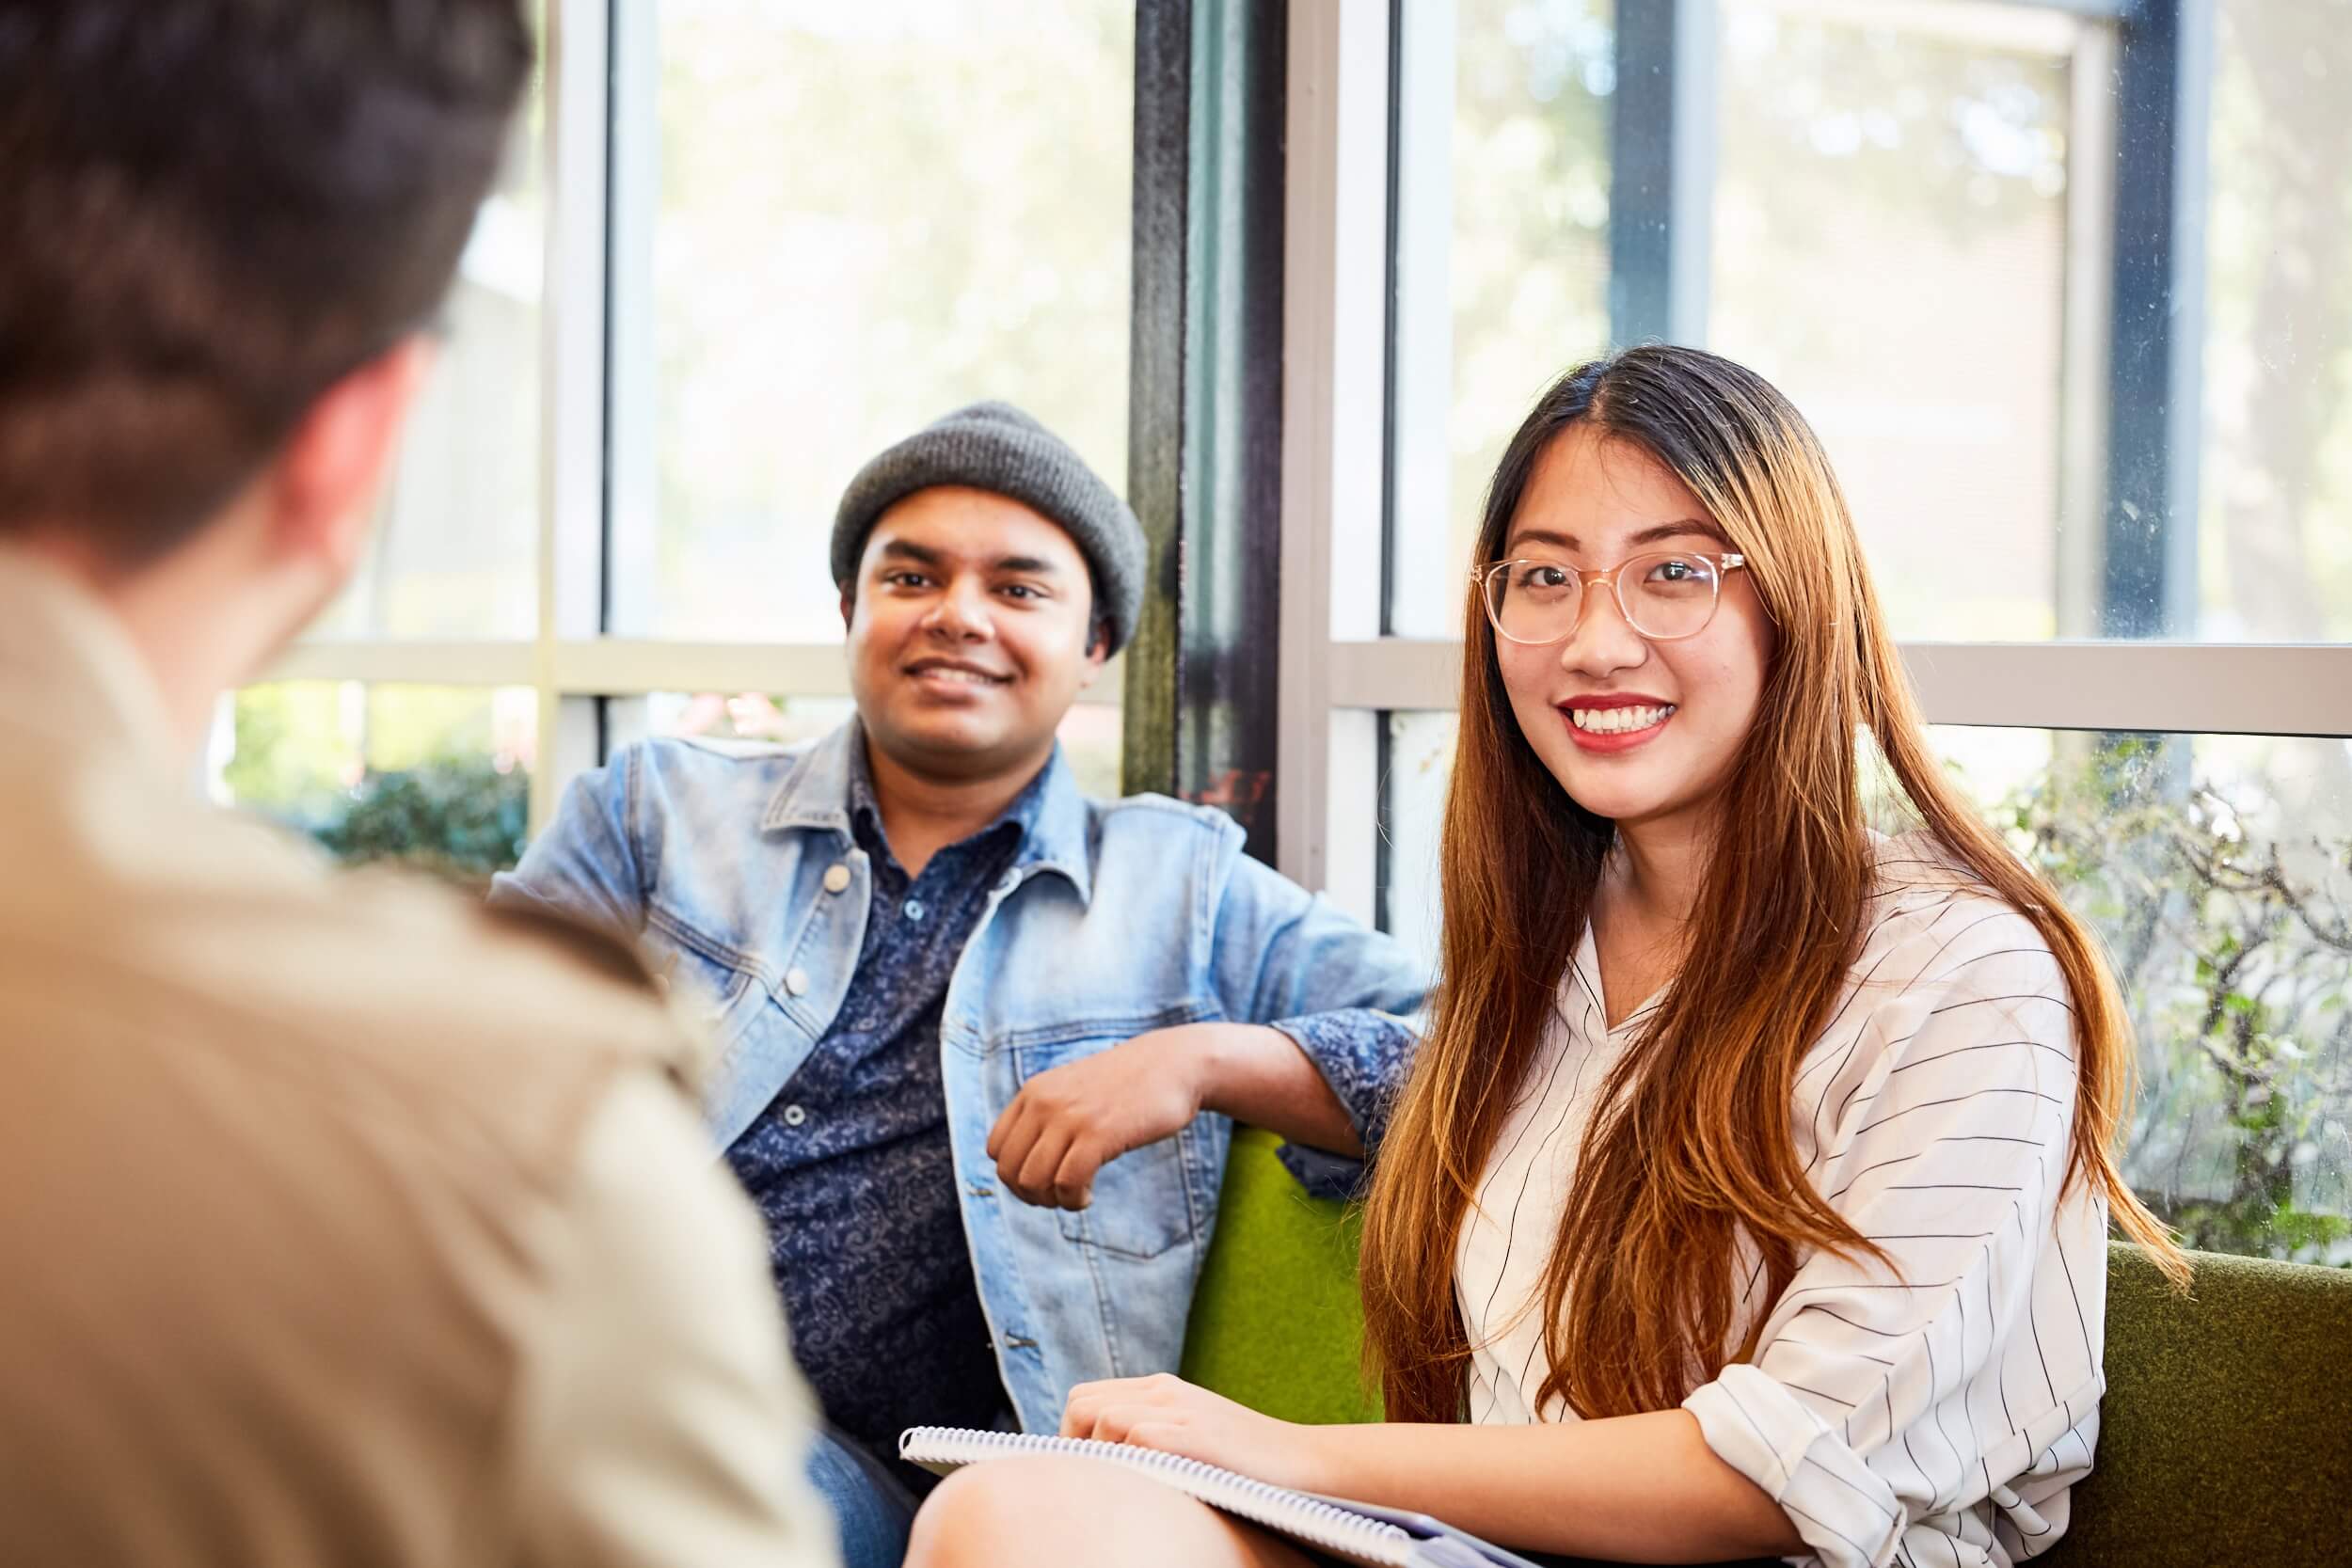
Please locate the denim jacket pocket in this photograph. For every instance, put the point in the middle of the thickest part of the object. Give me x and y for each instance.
(1142, 1204)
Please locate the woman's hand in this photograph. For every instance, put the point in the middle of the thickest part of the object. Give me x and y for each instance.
(1171, 1416)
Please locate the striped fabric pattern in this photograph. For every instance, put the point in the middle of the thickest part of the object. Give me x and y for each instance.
(1933, 1417)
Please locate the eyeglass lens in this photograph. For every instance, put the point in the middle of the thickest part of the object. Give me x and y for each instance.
(1665, 595)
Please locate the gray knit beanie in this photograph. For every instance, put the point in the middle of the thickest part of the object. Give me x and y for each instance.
(995, 446)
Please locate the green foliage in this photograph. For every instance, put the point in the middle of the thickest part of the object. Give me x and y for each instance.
(459, 817)
(288, 757)
(2233, 947)
(409, 773)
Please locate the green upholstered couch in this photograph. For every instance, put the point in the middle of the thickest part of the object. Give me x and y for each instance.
(2227, 1432)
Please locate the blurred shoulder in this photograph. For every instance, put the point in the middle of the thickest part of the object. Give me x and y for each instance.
(217, 971)
(521, 986)
(385, 992)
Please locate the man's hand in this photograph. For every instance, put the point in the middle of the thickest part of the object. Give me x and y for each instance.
(1070, 1121)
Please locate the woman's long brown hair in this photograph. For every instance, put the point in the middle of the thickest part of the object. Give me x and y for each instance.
(1692, 1148)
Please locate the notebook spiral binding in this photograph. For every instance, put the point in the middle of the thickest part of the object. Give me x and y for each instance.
(1311, 1519)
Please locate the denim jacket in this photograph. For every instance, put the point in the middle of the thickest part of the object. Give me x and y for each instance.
(736, 861)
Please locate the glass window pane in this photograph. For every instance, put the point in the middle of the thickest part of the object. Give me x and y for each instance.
(2217, 872)
(455, 550)
(1890, 249)
(1503, 260)
(1412, 816)
(439, 777)
(2217, 869)
(864, 217)
(2275, 537)
(1090, 732)
(1913, 229)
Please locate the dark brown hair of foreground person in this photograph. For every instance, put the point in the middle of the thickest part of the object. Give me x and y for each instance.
(210, 211)
(1692, 1145)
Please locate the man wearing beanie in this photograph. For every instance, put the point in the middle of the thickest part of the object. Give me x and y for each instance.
(983, 1037)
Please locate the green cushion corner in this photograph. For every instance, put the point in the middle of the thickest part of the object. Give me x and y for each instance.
(1276, 1323)
(2226, 1432)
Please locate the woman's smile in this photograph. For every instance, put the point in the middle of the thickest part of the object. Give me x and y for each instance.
(1608, 725)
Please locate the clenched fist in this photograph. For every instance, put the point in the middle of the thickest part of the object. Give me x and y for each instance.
(1070, 1121)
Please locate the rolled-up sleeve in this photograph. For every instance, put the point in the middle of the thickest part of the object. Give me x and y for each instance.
(1349, 996)
(1361, 1053)
(1951, 1398)
(1358, 1052)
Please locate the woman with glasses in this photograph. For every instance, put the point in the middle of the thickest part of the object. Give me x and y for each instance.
(1751, 1193)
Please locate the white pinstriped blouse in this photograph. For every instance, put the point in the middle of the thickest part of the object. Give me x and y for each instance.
(1934, 1421)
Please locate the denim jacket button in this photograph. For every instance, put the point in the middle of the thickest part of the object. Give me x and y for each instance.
(796, 981)
(836, 878)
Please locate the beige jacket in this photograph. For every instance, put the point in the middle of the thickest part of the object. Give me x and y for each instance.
(340, 1222)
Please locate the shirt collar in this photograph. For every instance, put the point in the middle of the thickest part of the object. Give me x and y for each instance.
(67, 664)
(833, 782)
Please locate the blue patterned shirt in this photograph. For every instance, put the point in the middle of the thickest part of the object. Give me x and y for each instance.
(850, 1165)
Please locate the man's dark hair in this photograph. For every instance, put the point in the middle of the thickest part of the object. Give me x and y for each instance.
(210, 211)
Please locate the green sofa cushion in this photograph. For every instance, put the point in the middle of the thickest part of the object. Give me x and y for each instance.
(1276, 1323)
(2226, 1431)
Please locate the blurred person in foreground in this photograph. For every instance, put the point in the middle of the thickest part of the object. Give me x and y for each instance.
(985, 1037)
(313, 1254)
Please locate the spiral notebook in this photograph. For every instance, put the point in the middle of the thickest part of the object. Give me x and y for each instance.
(1359, 1532)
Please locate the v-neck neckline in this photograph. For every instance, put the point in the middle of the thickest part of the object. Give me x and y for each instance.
(1587, 966)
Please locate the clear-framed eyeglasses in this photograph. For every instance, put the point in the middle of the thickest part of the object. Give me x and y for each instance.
(1664, 594)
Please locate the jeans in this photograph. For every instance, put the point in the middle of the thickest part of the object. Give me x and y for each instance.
(872, 1508)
